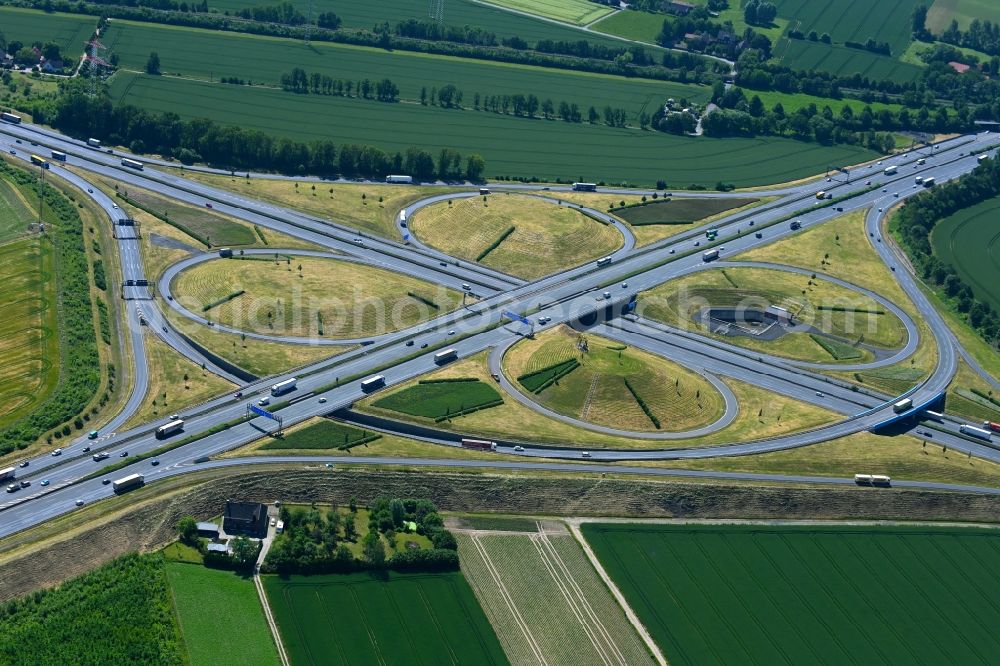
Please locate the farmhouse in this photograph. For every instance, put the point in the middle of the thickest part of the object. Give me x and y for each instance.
(249, 518)
(677, 8)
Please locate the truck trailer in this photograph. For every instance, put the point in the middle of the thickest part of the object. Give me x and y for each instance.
(10, 118)
(127, 483)
(171, 428)
(446, 356)
(94, 143)
(478, 444)
(929, 181)
(902, 405)
(7, 473)
(372, 383)
(973, 431)
(711, 255)
(399, 179)
(585, 187)
(38, 160)
(284, 387)
(991, 425)
(132, 164)
(889, 170)
(59, 155)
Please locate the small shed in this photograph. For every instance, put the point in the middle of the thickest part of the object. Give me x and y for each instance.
(208, 530)
(220, 548)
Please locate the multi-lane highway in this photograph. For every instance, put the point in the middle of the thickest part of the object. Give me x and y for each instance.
(565, 297)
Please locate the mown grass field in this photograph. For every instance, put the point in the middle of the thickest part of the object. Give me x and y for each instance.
(941, 13)
(792, 595)
(859, 318)
(400, 619)
(220, 616)
(261, 357)
(169, 391)
(546, 237)
(568, 614)
(29, 340)
(438, 400)
(511, 146)
(207, 54)
(679, 211)
(368, 207)
(640, 26)
(323, 434)
(853, 20)
(457, 13)
(200, 223)
(576, 12)
(596, 392)
(15, 215)
(70, 31)
(969, 240)
(309, 296)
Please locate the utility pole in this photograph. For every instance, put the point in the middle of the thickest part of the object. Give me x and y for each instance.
(309, 22)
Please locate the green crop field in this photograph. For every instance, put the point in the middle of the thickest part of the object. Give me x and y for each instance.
(577, 12)
(456, 13)
(798, 595)
(393, 619)
(942, 12)
(547, 580)
(439, 399)
(969, 240)
(207, 54)
(679, 211)
(116, 615)
(853, 20)
(69, 31)
(28, 339)
(793, 102)
(325, 434)
(220, 616)
(842, 61)
(511, 146)
(640, 26)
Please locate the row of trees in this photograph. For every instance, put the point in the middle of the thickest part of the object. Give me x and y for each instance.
(981, 35)
(78, 114)
(916, 221)
(79, 364)
(317, 542)
(299, 81)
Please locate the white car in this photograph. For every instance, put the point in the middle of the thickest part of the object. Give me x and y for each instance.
(57, 452)
(79, 502)
(322, 400)
(264, 401)
(519, 449)
(174, 417)
(115, 206)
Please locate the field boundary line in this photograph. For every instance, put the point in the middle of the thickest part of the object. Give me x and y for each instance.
(574, 528)
(577, 591)
(282, 655)
(505, 595)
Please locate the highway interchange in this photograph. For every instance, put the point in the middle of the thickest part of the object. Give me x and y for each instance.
(566, 297)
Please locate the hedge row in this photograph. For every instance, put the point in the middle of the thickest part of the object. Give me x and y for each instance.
(536, 382)
(838, 308)
(223, 300)
(642, 404)
(495, 244)
(470, 410)
(445, 380)
(423, 299)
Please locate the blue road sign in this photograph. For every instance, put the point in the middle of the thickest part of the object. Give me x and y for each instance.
(517, 317)
(259, 411)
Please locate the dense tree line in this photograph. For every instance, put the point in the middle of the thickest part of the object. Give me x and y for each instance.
(970, 94)
(981, 35)
(915, 222)
(79, 363)
(283, 12)
(117, 615)
(315, 541)
(299, 81)
(201, 139)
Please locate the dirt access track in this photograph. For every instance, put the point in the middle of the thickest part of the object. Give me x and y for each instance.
(144, 520)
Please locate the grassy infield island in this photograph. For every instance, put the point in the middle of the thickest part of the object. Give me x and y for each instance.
(523, 236)
(851, 317)
(304, 296)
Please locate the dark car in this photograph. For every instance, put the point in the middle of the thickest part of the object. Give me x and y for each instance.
(86, 449)
(25, 484)
(208, 205)
(423, 345)
(24, 464)
(155, 463)
(123, 454)
(105, 481)
(409, 343)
